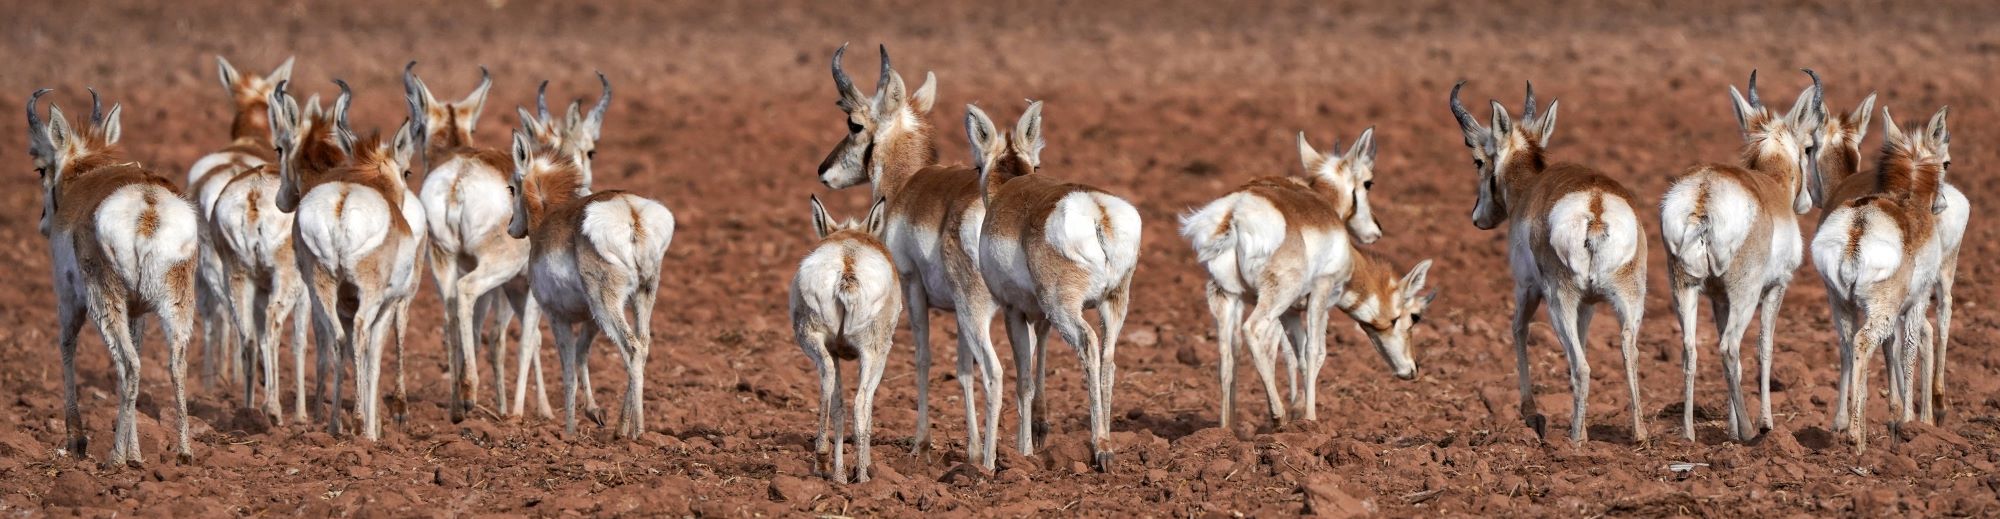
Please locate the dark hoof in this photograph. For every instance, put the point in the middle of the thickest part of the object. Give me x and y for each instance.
(78, 445)
(184, 458)
(1540, 424)
(1041, 431)
(595, 415)
(1103, 461)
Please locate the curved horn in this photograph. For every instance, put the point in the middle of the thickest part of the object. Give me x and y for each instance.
(1754, 102)
(35, 119)
(840, 79)
(542, 101)
(604, 100)
(1465, 118)
(345, 100)
(96, 108)
(886, 72)
(1819, 94)
(1528, 114)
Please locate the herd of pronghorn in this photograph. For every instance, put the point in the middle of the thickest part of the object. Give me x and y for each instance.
(301, 218)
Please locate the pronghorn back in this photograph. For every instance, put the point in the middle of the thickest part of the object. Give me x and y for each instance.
(1583, 221)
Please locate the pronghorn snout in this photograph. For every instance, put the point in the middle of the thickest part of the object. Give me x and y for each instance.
(1368, 231)
(1409, 375)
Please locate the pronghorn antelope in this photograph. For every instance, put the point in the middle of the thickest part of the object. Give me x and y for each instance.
(1048, 251)
(254, 240)
(595, 265)
(1841, 166)
(359, 237)
(934, 217)
(1278, 241)
(123, 245)
(1880, 256)
(845, 300)
(1572, 239)
(1732, 234)
(247, 148)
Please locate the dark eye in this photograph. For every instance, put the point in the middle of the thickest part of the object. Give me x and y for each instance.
(406, 174)
(1947, 164)
(853, 127)
(1368, 185)
(510, 190)
(1479, 163)
(592, 154)
(42, 172)
(1416, 319)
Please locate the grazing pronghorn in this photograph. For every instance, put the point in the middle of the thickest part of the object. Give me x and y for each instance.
(1572, 239)
(1048, 251)
(359, 237)
(934, 218)
(1278, 241)
(247, 148)
(595, 265)
(845, 300)
(1841, 166)
(464, 192)
(1879, 255)
(123, 245)
(1732, 234)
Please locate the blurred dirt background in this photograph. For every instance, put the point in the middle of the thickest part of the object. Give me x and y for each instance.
(723, 109)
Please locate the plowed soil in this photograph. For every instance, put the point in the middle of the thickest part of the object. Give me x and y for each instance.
(723, 109)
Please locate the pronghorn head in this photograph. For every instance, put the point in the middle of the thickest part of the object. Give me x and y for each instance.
(1916, 162)
(449, 124)
(1347, 178)
(302, 139)
(56, 147)
(390, 159)
(892, 120)
(1000, 156)
(1792, 140)
(250, 93)
(539, 179)
(1840, 148)
(1388, 310)
(1503, 150)
(826, 227)
(575, 136)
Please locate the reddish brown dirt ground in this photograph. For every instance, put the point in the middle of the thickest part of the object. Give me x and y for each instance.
(723, 111)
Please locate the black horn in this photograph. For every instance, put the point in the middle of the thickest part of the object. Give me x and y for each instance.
(1528, 114)
(883, 82)
(35, 119)
(1819, 94)
(604, 100)
(840, 79)
(1754, 102)
(1465, 120)
(96, 108)
(542, 101)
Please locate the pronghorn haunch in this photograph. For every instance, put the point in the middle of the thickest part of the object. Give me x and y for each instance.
(845, 300)
(1279, 242)
(1572, 239)
(1048, 251)
(1879, 255)
(123, 245)
(934, 217)
(1732, 234)
(1842, 170)
(359, 236)
(595, 257)
(247, 148)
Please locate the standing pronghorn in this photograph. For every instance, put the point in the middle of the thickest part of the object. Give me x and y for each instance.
(254, 240)
(1732, 233)
(845, 300)
(595, 265)
(1572, 239)
(123, 245)
(1841, 166)
(1879, 255)
(247, 148)
(934, 218)
(1048, 251)
(359, 237)
(1278, 241)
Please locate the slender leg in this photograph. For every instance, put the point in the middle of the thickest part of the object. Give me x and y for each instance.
(1263, 333)
(1111, 311)
(108, 311)
(1562, 316)
(919, 307)
(1873, 332)
(301, 322)
(870, 374)
(1742, 307)
(1228, 313)
(177, 326)
(529, 357)
(69, 318)
(1293, 357)
(1686, 295)
(975, 341)
(1767, 320)
(1917, 334)
(1943, 294)
(1024, 372)
(501, 313)
(1068, 321)
(814, 345)
(1844, 331)
(839, 425)
(565, 344)
(1526, 299)
(1313, 350)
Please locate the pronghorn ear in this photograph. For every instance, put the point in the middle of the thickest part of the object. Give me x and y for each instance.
(926, 96)
(1858, 119)
(1742, 107)
(1413, 283)
(980, 131)
(822, 224)
(520, 154)
(475, 102)
(1310, 157)
(58, 133)
(878, 217)
(313, 109)
(1805, 114)
(891, 96)
(282, 73)
(1891, 134)
(1545, 125)
(1503, 125)
(573, 120)
(111, 127)
(227, 73)
(404, 147)
(1028, 135)
(529, 124)
(1362, 154)
(1937, 132)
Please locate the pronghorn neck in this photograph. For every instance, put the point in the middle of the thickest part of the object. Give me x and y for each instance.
(1341, 198)
(904, 147)
(317, 154)
(550, 184)
(1839, 162)
(449, 136)
(1901, 173)
(1763, 154)
(1370, 283)
(1522, 163)
(251, 125)
(1007, 166)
